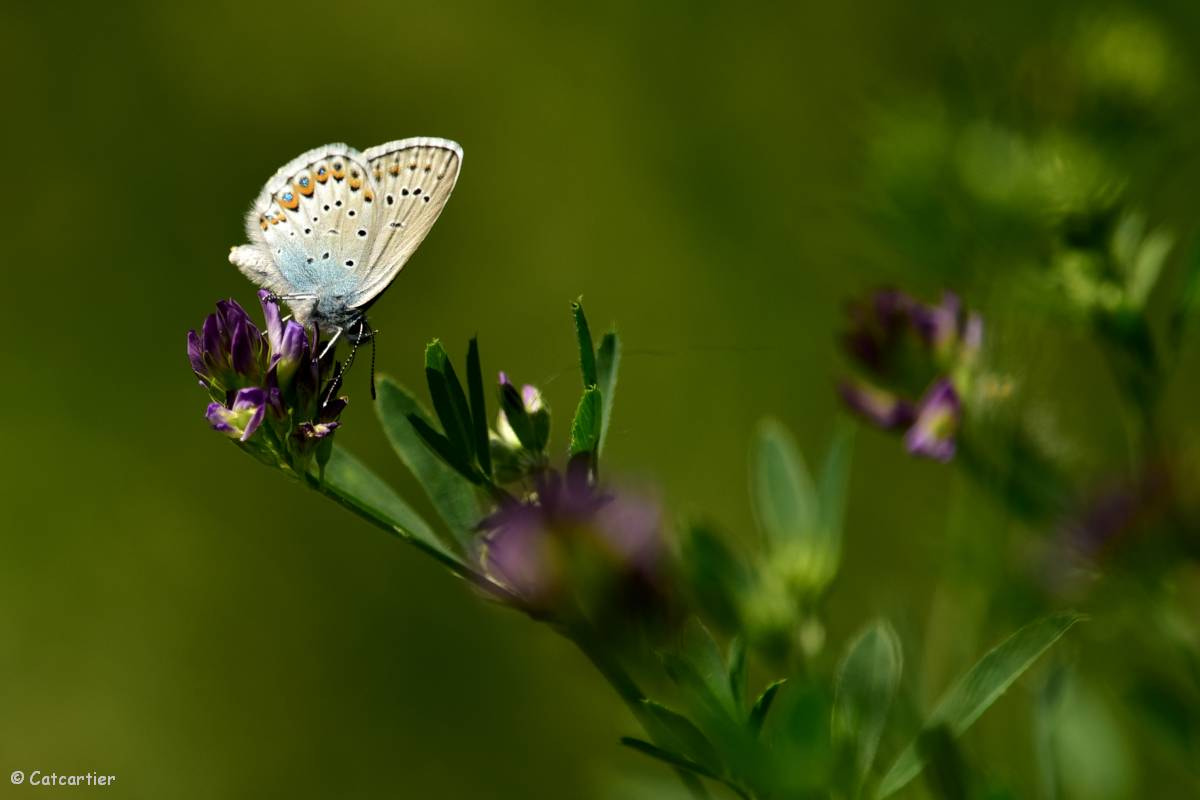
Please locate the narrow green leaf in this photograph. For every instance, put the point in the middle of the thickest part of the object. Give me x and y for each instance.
(867, 679)
(585, 429)
(667, 757)
(677, 733)
(737, 671)
(354, 485)
(981, 686)
(785, 500)
(834, 483)
(449, 400)
(518, 417)
(451, 494)
(696, 666)
(716, 573)
(947, 775)
(758, 714)
(608, 363)
(444, 449)
(479, 419)
(587, 351)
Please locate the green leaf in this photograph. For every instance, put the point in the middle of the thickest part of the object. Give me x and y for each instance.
(666, 756)
(805, 548)
(758, 714)
(479, 420)
(696, 666)
(518, 417)
(716, 574)
(451, 494)
(867, 679)
(834, 483)
(785, 500)
(608, 362)
(449, 401)
(737, 670)
(676, 732)
(349, 482)
(947, 775)
(439, 444)
(981, 686)
(585, 429)
(587, 351)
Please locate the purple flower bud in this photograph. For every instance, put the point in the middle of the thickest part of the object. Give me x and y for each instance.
(933, 433)
(288, 352)
(316, 430)
(271, 314)
(531, 399)
(972, 337)
(195, 350)
(242, 419)
(877, 328)
(229, 352)
(938, 326)
(877, 406)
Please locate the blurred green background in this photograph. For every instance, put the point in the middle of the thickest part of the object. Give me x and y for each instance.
(706, 175)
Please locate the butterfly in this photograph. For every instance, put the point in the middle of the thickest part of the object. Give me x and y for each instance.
(333, 227)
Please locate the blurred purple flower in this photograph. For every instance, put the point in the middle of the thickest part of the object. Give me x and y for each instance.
(932, 433)
(535, 548)
(883, 409)
(912, 350)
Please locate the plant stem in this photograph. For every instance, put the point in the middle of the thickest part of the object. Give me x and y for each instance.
(445, 559)
(626, 689)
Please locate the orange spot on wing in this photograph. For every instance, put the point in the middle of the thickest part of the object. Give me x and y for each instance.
(322, 174)
(355, 184)
(394, 169)
(305, 187)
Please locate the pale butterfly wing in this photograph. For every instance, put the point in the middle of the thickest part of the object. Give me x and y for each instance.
(311, 229)
(413, 180)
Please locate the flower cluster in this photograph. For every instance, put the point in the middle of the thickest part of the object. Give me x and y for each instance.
(919, 360)
(567, 545)
(268, 389)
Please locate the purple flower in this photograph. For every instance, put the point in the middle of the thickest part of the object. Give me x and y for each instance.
(938, 326)
(573, 541)
(877, 328)
(243, 417)
(880, 407)
(938, 416)
(274, 381)
(912, 350)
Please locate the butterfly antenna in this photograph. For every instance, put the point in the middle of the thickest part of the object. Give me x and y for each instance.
(373, 333)
(337, 379)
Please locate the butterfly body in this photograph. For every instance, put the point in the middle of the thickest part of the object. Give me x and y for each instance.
(333, 227)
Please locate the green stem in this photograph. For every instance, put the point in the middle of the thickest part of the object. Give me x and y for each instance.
(447, 560)
(626, 689)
